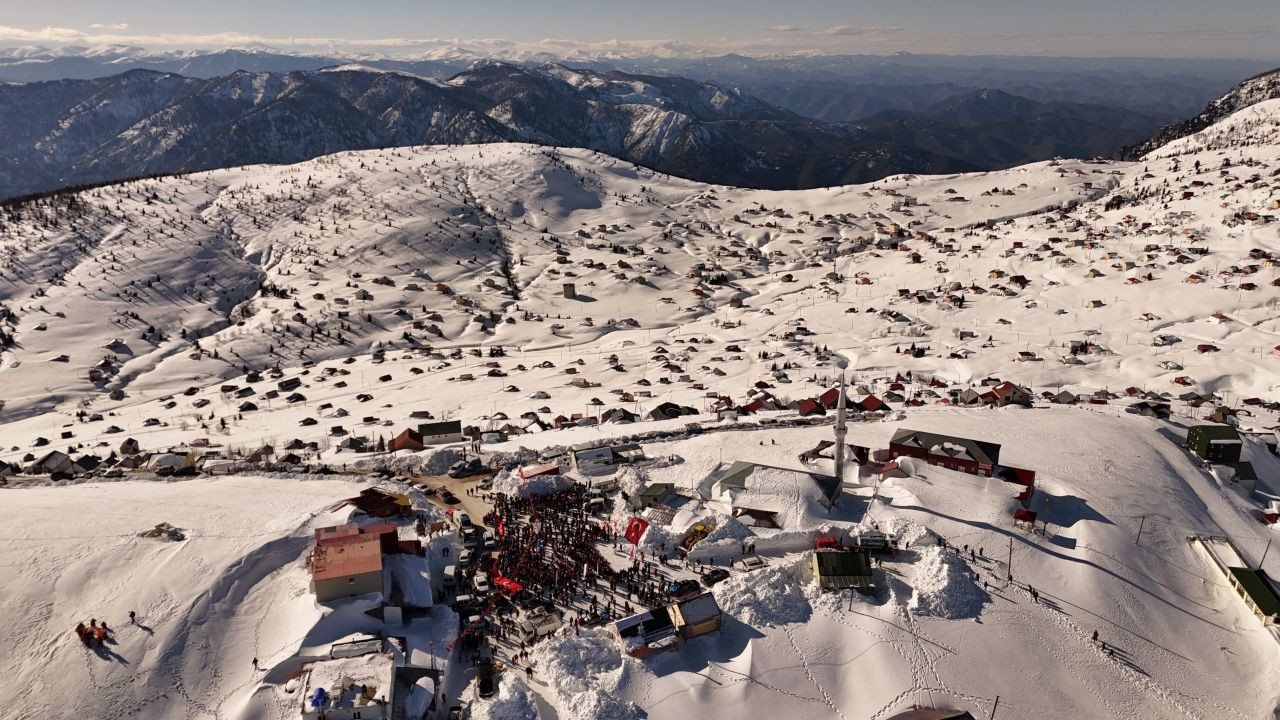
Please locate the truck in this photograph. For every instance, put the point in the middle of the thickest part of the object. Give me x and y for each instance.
(537, 624)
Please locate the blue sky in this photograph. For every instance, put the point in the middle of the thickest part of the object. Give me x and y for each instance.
(1161, 28)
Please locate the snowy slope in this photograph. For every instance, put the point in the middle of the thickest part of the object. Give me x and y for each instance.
(205, 276)
(464, 247)
(206, 606)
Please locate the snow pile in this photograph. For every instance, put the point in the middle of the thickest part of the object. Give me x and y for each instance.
(631, 480)
(581, 673)
(656, 537)
(776, 595)
(439, 461)
(944, 586)
(435, 461)
(509, 482)
(520, 456)
(514, 701)
(907, 532)
(729, 529)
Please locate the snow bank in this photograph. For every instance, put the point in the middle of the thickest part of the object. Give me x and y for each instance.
(944, 587)
(582, 673)
(509, 482)
(514, 701)
(776, 595)
(631, 480)
(767, 541)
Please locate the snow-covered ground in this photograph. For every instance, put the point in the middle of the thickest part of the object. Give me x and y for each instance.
(232, 591)
(681, 293)
(1185, 645)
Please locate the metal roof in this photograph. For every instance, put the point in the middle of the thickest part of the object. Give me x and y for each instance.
(1257, 584)
(982, 452)
(345, 559)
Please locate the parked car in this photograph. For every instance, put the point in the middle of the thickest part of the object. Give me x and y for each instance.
(714, 576)
(481, 582)
(484, 681)
(465, 468)
(680, 588)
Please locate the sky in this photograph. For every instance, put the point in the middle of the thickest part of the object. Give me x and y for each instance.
(1080, 28)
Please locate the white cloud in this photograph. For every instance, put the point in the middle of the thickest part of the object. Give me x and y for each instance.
(786, 28)
(110, 26)
(853, 30)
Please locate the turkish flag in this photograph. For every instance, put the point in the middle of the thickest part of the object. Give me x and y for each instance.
(635, 529)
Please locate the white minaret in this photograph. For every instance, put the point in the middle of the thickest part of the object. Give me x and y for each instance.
(841, 431)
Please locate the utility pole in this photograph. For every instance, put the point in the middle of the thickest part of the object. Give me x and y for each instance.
(1264, 554)
(993, 708)
(1010, 559)
(1140, 524)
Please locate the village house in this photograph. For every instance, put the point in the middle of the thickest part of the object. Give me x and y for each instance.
(665, 626)
(440, 433)
(408, 439)
(347, 560)
(348, 688)
(955, 453)
(1215, 443)
(600, 459)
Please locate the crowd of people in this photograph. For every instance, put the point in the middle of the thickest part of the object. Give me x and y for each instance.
(550, 544)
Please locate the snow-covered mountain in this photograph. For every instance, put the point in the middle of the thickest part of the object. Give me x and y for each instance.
(145, 123)
(1265, 86)
(449, 247)
(515, 286)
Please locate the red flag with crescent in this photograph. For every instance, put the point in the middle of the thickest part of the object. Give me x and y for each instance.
(635, 529)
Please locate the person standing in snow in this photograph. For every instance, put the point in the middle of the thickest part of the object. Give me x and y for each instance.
(133, 618)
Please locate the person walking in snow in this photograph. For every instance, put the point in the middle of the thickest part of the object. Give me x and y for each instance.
(133, 618)
(255, 663)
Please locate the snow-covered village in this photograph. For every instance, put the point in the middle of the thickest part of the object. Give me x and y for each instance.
(511, 430)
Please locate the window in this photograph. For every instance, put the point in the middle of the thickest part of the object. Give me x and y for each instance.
(351, 581)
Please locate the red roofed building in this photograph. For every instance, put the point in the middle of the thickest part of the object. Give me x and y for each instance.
(346, 563)
(871, 403)
(809, 406)
(407, 440)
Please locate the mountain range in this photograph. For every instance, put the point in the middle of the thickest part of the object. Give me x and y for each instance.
(142, 122)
